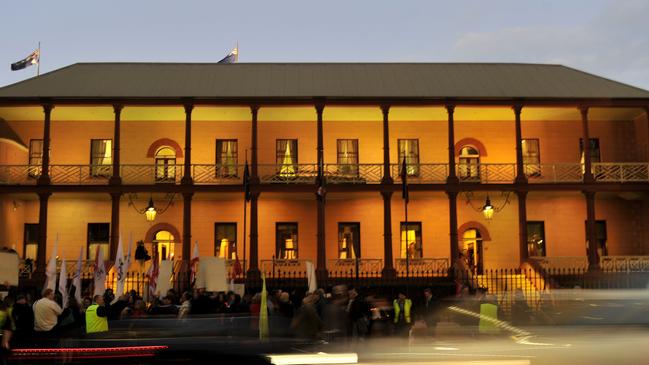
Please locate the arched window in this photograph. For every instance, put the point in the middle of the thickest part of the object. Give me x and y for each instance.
(165, 164)
(469, 164)
(164, 244)
(472, 250)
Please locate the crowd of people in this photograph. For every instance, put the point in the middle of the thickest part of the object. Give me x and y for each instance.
(344, 312)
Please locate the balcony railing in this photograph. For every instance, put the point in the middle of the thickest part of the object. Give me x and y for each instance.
(354, 267)
(425, 173)
(621, 172)
(217, 174)
(487, 173)
(279, 267)
(353, 173)
(555, 173)
(625, 263)
(151, 174)
(422, 266)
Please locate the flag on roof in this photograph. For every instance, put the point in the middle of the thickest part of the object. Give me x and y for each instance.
(32, 59)
(232, 57)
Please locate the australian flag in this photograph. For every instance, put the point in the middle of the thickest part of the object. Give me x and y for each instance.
(32, 59)
(232, 57)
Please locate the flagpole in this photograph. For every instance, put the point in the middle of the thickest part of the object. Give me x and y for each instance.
(38, 64)
(236, 58)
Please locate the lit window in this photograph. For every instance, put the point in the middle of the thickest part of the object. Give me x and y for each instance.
(31, 241)
(347, 157)
(469, 166)
(531, 157)
(98, 238)
(411, 244)
(226, 157)
(164, 241)
(101, 157)
(286, 157)
(349, 240)
(409, 149)
(35, 157)
(536, 238)
(165, 164)
(225, 240)
(286, 241)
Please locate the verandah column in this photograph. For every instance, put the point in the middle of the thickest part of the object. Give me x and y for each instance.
(42, 231)
(588, 172)
(520, 169)
(254, 171)
(44, 179)
(187, 172)
(321, 264)
(187, 225)
(253, 266)
(522, 225)
(387, 179)
(388, 266)
(114, 224)
(451, 187)
(116, 179)
(591, 232)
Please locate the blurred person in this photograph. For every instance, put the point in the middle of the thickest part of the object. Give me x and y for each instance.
(23, 317)
(185, 306)
(520, 311)
(201, 303)
(286, 308)
(6, 328)
(307, 323)
(359, 314)
(46, 313)
(428, 309)
(402, 316)
(97, 316)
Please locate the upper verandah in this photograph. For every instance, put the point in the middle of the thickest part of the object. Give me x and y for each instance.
(286, 82)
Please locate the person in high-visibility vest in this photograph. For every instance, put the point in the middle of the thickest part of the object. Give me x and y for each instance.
(5, 329)
(402, 317)
(97, 316)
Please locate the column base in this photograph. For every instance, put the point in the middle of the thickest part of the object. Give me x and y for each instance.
(115, 180)
(43, 180)
(186, 180)
(452, 180)
(388, 273)
(521, 179)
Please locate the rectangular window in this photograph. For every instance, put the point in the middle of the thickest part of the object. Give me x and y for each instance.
(30, 241)
(347, 157)
(98, 238)
(600, 233)
(101, 157)
(225, 240)
(165, 165)
(286, 241)
(35, 157)
(349, 240)
(595, 155)
(227, 158)
(411, 244)
(531, 156)
(286, 157)
(536, 238)
(409, 149)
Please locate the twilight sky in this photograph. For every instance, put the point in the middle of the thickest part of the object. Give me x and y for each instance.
(606, 37)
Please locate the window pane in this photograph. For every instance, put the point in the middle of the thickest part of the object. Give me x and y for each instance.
(227, 157)
(225, 240)
(409, 148)
(101, 156)
(349, 244)
(531, 157)
(286, 156)
(347, 156)
(98, 236)
(411, 243)
(35, 157)
(30, 240)
(536, 238)
(286, 241)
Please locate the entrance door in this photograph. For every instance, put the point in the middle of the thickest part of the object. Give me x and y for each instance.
(473, 250)
(164, 244)
(600, 233)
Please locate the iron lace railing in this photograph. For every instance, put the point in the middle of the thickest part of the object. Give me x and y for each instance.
(486, 173)
(621, 171)
(151, 174)
(425, 173)
(417, 267)
(350, 268)
(204, 174)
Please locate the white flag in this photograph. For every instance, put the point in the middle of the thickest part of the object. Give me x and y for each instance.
(100, 273)
(310, 275)
(120, 271)
(50, 271)
(76, 280)
(63, 284)
(129, 259)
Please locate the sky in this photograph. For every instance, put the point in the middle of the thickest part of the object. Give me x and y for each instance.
(605, 37)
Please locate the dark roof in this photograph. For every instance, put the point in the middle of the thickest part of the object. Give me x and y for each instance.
(307, 80)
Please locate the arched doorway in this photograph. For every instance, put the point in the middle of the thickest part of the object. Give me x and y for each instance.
(469, 163)
(165, 164)
(472, 249)
(164, 243)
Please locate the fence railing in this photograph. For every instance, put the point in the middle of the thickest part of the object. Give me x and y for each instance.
(217, 174)
(561, 262)
(151, 174)
(351, 268)
(486, 173)
(80, 174)
(621, 171)
(353, 173)
(625, 263)
(555, 173)
(428, 267)
(288, 173)
(19, 174)
(279, 267)
(425, 173)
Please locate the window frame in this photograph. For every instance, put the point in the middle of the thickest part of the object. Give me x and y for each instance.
(34, 168)
(543, 236)
(89, 242)
(165, 166)
(232, 244)
(597, 147)
(350, 248)
(225, 171)
(473, 172)
(26, 227)
(100, 170)
(412, 167)
(280, 165)
(283, 249)
(419, 249)
(347, 169)
(532, 169)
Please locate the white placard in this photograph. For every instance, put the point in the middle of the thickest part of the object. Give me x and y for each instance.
(8, 269)
(164, 278)
(211, 274)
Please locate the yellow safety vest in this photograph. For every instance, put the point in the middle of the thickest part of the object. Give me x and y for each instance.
(94, 323)
(488, 316)
(406, 310)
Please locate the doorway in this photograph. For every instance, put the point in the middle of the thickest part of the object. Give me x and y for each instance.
(473, 251)
(163, 243)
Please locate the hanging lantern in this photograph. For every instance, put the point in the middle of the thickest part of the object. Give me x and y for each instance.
(488, 209)
(150, 211)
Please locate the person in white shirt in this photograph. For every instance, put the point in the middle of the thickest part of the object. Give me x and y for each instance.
(46, 312)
